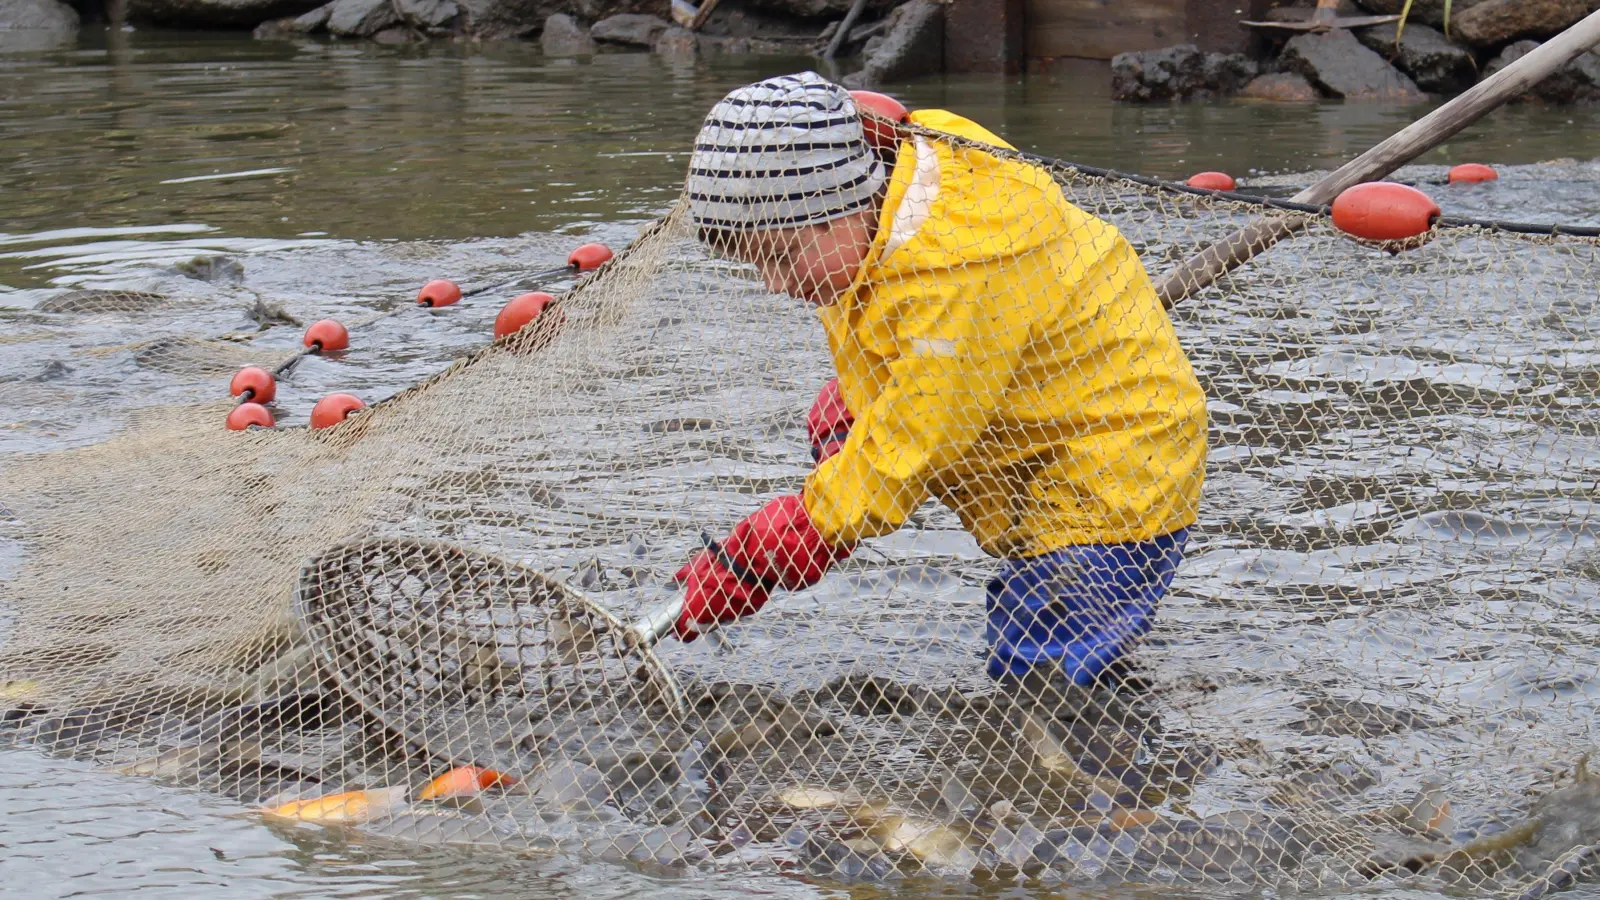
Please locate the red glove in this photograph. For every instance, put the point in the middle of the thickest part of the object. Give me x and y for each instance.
(828, 422)
(775, 547)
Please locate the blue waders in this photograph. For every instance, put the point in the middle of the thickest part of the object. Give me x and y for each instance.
(1078, 608)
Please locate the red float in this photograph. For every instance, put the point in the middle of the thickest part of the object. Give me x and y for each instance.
(247, 414)
(880, 135)
(1212, 181)
(327, 336)
(1472, 173)
(439, 292)
(332, 409)
(589, 256)
(520, 311)
(254, 384)
(1384, 211)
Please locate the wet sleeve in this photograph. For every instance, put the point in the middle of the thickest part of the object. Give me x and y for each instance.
(960, 340)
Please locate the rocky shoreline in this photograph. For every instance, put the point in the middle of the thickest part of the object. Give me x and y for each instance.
(889, 40)
(893, 40)
(1367, 63)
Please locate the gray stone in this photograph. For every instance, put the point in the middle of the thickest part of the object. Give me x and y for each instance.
(393, 35)
(1425, 54)
(635, 29)
(1494, 22)
(563, 36)
(361, 18)
(817, 9)
(427, 14)
(913, 46)
(215, 13)
(678, 42)
(1340, 67)
(1283, 87)
(1577, 82)
(1183, 72)
(495, 20)
(38, 15)
(314, 21)
(1426, 12)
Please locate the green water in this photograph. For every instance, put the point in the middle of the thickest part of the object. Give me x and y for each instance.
(133, 150)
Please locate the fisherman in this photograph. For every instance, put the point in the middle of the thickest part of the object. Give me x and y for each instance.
(996, 348)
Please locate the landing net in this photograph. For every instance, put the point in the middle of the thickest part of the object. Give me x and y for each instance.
(1376, 662)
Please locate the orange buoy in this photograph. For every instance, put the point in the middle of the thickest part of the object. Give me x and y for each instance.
(327, 336)
(246, 414)
(1471, 173)
(520, 311)
(1384, 211)
(464, 781)
(332, 409)
(589, 256)
(880, 135)
(255, 384)
(1212, 181)
(439, 292)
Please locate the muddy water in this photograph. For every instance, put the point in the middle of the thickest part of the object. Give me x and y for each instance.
(340, 176)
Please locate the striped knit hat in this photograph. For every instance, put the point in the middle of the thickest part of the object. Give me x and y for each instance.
(781, 153)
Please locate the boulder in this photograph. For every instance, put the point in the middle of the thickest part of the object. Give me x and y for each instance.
(360, 18)
(497, 20)
(634, 29)
(1183, 72)
(1427, 12)
(1435, 64)
(313, 21)
(912, 46)
(1340, 66)
(1283, 87)
(679, 42)
(48, 16)
(1577, 82)
(817, 9)
(1495, 22)
(563, 36)
(427, 15)
(33, 25)
(215, 13)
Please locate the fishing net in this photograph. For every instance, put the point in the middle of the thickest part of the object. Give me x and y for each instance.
(1376, 661)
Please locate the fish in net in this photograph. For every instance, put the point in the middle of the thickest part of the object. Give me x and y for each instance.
(1374, 663)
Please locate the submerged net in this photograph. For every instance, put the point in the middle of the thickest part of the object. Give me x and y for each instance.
(1376, 661)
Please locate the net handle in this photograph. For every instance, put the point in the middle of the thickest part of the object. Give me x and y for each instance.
(655, 625)
(1205, 267)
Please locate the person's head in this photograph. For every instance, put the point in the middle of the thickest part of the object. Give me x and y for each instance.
(782, 177)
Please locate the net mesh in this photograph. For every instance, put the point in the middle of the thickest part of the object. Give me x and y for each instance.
(1375, 661)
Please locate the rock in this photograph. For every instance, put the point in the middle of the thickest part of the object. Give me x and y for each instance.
(1338, 65)
(635, 29)
(360, 18)
(818, 9)
(1426, 55)
(1182, 72)
(675, 41)
(1284, 87)
(215, 13)
(1577, 82)
(311, 22)
(563, 36)
(427, 14)
(1427, 12)
(912, 46)
(495, 20)
(1228, 73)
(395, 34)
(37, 15)
(1494, 22)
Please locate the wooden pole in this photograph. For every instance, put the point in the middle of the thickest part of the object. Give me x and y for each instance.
(1419, 137)
(844, 28)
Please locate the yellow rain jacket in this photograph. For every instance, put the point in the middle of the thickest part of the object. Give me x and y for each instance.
(1006, 353)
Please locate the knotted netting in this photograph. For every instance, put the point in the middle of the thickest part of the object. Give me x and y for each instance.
(1375, 662)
